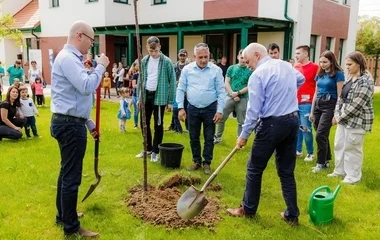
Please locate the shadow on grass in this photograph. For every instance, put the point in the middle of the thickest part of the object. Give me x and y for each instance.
(371, 179)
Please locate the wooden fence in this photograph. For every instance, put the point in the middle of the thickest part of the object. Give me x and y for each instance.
(371, 64)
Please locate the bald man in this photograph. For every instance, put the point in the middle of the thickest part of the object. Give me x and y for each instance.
(71, 102)
(273, 112)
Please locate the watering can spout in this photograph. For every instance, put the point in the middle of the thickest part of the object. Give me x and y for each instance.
(336, 192)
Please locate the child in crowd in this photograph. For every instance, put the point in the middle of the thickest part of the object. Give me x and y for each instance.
(16, 83)
(114, 70)
(107, 85)
(124, 113)
(28, 110)
(39, 90)
(177, 128)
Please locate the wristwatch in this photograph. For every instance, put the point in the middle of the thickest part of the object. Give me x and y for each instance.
(238, 92)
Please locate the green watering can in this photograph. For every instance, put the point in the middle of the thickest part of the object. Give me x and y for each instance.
(321, 205)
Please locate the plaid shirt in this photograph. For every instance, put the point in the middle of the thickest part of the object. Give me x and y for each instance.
(357, 110)
(165, 92)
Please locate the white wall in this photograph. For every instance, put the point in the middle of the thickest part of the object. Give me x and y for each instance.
(352, 28)
(57, 21)
(266, 38)
(272, 9)
(10, 51)
(12, 6)
(173, 11)
(302, 27)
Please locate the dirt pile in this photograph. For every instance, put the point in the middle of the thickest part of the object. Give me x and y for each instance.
(158, 205)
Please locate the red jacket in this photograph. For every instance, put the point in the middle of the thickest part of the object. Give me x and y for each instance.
(306, 92)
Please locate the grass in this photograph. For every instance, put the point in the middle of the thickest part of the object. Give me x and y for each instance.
(29, 169)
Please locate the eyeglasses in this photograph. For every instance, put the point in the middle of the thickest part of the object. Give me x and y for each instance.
(92, 39)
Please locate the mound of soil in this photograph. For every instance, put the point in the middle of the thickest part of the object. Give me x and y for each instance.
(158, 205)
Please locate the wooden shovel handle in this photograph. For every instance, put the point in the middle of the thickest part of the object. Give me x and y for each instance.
(215, 173)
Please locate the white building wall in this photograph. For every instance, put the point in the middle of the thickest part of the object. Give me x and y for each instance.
(271, 9)
(352, 28)
(266, 38)
(56, 22)
(12, 6)
(303, 21)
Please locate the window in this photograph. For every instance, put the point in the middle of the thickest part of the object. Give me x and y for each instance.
(121, 1)
(347, 2)
(155, 2)
(328, 43)
(92, 1)
(341, 43)
(54, 3)
(313, 44)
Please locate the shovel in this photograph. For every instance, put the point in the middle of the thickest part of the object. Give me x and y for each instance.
(96, 160)
(193, 201)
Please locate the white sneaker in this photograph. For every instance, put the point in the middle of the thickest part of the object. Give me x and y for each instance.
(319, 167)
(155, 157)
(217, 140)
(309, 158)
(333, 175)
(348, 181)
(299, 154)
(141, 155)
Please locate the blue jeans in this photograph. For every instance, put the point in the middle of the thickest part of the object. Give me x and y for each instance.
(274, 134)
(72, 140)
(197, 117)
(304, 112)
(135, 110)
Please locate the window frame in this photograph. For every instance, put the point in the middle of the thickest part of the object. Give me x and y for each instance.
(54, 3)
(328, 43)
(121, 1)
(313, 47)
(159, 2)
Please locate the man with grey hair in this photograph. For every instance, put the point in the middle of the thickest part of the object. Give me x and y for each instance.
(71, 102)
(273, 112)
(203, 84)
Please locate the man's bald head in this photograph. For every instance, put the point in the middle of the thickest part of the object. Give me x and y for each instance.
(253, 53)
(81, 36)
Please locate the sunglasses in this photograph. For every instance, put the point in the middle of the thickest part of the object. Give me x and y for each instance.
(92, 39)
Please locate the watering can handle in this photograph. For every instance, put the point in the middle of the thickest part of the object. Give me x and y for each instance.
(325, 187)
(215, 173)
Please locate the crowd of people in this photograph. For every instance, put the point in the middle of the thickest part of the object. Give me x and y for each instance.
(282, 102)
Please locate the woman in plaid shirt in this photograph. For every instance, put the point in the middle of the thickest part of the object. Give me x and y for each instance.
(354, 116)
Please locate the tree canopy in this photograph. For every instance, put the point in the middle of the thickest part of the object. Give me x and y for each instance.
(368, 35)
(6, 31)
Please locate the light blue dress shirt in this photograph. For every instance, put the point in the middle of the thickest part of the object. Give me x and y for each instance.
(202, 86)
(71, 86)
(272, 91)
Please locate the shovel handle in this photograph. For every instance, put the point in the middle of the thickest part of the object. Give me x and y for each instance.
(221, 166)
(97, 128)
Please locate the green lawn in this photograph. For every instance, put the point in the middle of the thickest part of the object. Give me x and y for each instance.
(29, 169)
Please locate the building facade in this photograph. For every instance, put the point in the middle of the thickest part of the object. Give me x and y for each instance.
(225, 25)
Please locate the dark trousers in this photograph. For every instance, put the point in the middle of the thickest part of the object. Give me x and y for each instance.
(34, 95)
(197, 117)
(279, 135)
(323, 115)
(72, 140)
(158, 115)
(39, 99)
(7, 132)
(31, 124)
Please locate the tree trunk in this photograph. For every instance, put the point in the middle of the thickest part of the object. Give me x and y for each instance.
(141, 98)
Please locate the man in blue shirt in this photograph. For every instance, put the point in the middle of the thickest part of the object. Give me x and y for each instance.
(203, 84)
(272, 111)
(71, 102)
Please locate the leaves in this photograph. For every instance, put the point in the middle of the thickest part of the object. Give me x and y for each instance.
(6, 31)
(368, 35)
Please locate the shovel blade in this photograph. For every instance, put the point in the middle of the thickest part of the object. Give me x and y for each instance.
(92, 188)
(191, 203)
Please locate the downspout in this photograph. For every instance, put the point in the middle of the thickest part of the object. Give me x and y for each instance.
(291, 36)
(37, 39)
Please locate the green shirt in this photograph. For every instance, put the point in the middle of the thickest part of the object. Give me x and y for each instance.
(239, 76)
(166, 84)
(15, 73)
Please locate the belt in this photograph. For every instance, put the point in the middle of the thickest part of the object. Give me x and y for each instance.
(150, 92)
(293, 114)
(68, 118)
